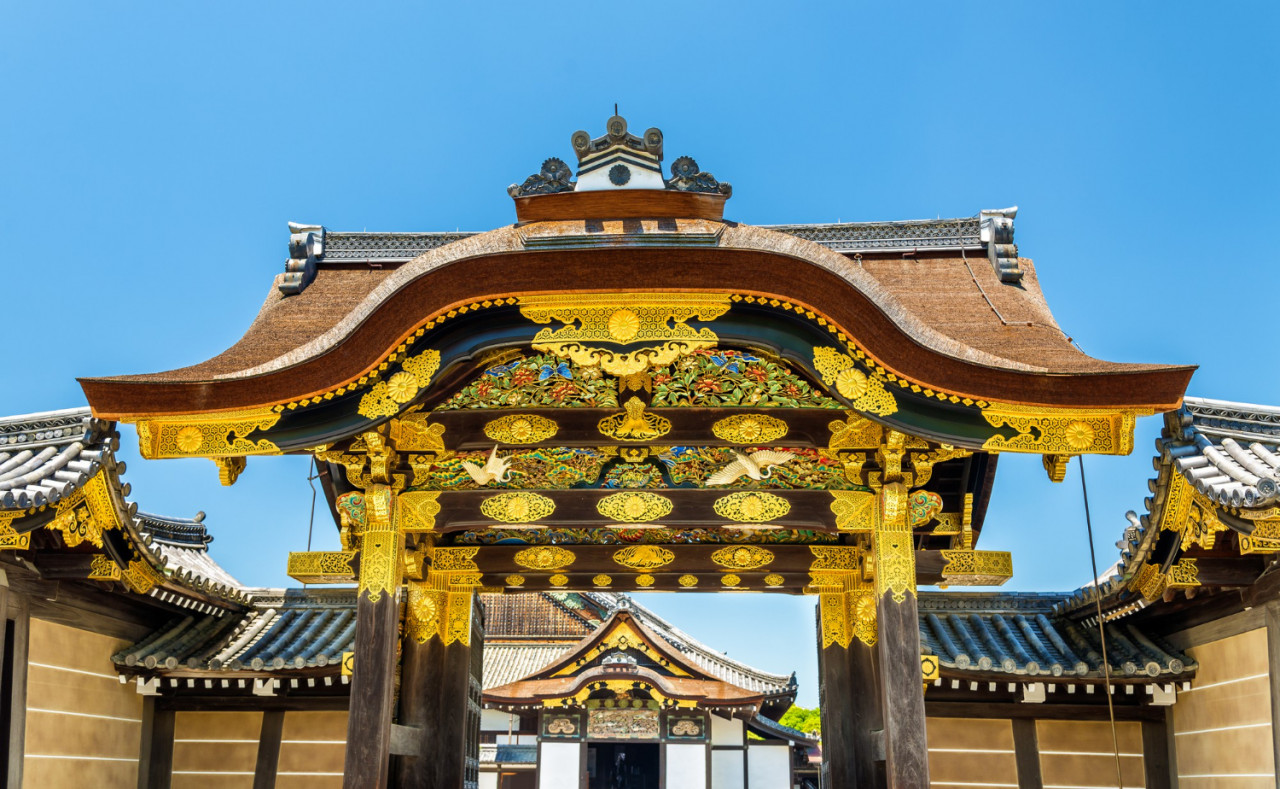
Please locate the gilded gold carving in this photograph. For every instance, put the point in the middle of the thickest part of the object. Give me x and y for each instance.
(1056, 431)
(634, 424)
(517, 507)
(645, 580)
(752, 507)
(230, 469)
(742, 557)
(749, 429)
(643, 557)
(688, 581)
(730, 580)
(634, 506)
(657, 319)
(207, 435)
(976, 568)
(855, 510)
(893, 546)
(322, 567)
(77, 525)
(773, 579)
(85, 514)
(559, 579)
(514, 580)
(929, 668)
(103, 568)
(521, 429)
(1184, 575)
(837, 558)
(425, 606)
(545, 557)
(10, 539)
(380, 544)
(855, 432)
(457, 626)
(865, 393)
(1191, 514)
(416, 511)
(413, 433)
(454, 560)
(602, 580)
(140, 576)
(348, 663)
(1056, 466)
(386, 398)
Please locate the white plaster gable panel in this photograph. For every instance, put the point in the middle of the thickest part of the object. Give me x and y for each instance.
(686, 766)
(726, 731)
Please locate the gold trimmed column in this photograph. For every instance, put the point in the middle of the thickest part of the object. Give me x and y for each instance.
(377, 624)
(902, 697)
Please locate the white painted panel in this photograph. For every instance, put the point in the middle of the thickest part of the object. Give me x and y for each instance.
(558, 765)
(686, 766)
(489, 780)
(497, 720)
(726, 731)
(768, 766)
(727, 770)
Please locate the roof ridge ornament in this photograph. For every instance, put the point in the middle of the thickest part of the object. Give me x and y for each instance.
(618, 159)
(997, 234)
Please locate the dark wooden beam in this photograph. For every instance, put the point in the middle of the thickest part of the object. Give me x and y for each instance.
(285, 703)
(372, 693)
(1233, 571)
(1026, 753)
(264, 771)
(902, 693)
(155, 756)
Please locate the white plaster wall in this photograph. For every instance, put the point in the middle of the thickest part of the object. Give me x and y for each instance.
(727, 770)
(488, 780)
(686, 766)
(558, 765)
(768, 766)
(726, 731)
(497, 720)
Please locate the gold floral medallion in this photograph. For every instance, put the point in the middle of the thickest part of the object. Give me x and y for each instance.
(645, 580)
(644, 557)
(742, 557)
(634, 506)
(545, 557)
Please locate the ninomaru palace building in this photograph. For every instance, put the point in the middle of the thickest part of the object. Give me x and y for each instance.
(625, 392)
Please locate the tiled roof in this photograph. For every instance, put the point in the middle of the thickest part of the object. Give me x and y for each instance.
(1230, 452)
(508, 754)
(567, 615)
(47, 456)
(506, 663)
(182, 545)
(767, 727)
(1021, 635)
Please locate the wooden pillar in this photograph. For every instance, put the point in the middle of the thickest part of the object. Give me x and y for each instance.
(20, 612)
(1026, 754)
(264, 772)
(839, 751)
(1157, 770)
(155, 757)
(377, 624)
(902, 690)
(435, 683)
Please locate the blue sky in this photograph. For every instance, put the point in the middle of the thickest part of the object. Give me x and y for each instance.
(151, 154)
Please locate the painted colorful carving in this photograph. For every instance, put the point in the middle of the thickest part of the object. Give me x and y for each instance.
(541, 380)
(809, 469)
(714, 378)
(554, 468)
(651, 536)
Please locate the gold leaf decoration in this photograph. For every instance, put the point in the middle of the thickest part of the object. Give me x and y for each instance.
(855, 510)
(514, 580)
(742, 557)
(207, 435)
(589, 321)
(688, 581)
(322, 567)
(1059, 431)
(976, 568)
(517, 507)
(103, 568)
(545, 557)
(749, 429)
(865, 393)
(385, 398)
(634, 424)
(643, 557)
(416, 511)
(752, 507)
(559, 579)
(731, 580)
(634, 507)
(521, 429)
(602, 580)
(773, 579)
(645, 580)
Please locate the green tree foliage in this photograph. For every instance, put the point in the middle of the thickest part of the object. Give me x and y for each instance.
(803, 719)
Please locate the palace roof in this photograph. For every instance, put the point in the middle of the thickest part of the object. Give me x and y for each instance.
(47, 456)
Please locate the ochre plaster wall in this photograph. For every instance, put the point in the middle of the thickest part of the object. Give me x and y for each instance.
(83, 726)
(965, 750)
(312, 749)
(1222, 726)
(215, 750)
(1082, 753)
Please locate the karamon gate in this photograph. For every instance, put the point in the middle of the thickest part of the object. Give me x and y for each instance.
(626, 391)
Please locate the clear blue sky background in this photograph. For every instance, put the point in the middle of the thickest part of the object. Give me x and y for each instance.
(150, 156)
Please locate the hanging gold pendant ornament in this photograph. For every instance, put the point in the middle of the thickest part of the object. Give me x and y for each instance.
(634, 424)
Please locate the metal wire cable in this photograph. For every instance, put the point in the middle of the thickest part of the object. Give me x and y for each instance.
(1102, 633)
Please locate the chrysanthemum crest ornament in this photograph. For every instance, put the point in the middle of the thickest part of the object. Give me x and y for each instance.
(618, 160)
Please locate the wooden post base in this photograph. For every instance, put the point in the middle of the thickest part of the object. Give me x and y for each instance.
(902, 693)
(372, 693)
